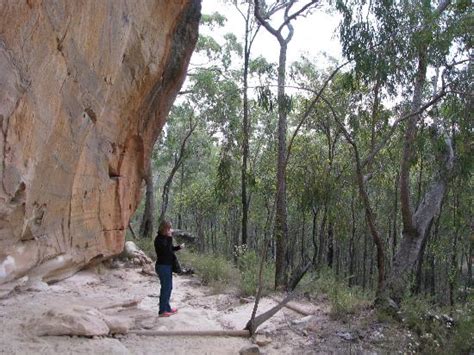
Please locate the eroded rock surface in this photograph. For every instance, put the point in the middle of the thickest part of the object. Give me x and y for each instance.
(85, 87)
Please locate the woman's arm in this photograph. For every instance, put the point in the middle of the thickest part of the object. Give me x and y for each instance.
(178, 247)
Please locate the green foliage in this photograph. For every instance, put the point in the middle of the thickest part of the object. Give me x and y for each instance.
(437, 329)
(382, 37)
(462, 341)
(261, 67)
(213, 20)
(215, 271)
(249, 265)
(221, 274)
(209, 45)
(344, 300)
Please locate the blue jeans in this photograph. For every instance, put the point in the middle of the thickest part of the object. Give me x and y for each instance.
(166, 280)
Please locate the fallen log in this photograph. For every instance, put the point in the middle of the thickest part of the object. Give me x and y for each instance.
(294, 307)
(255, 322)
(211, 333)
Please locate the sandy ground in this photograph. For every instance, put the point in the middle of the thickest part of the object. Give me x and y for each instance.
(199, 309)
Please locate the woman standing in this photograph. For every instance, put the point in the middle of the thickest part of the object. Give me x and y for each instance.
(164, 260)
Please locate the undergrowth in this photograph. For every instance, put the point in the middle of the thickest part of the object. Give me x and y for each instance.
(215, 271)
(344, 300)
(438, 329)
(248, 265)
(221, 273)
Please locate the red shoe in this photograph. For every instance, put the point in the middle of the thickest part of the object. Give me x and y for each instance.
(173, 310)
(165, 314)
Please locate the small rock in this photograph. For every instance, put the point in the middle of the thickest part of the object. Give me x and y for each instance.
(262, 340)
(118, 324)
(347, 336)
(447, 319)
(250, 350)
(303, 320)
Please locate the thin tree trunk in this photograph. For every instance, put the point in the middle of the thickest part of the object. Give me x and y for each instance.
(245, 131)
(146, 227)
(180, 212)
(281, 223)
(351, 245)
(174, 169)
(322, 244)
(303, 224)
(370, 217)
(469, 266)
(315, 212)
(395, 216)
(330, 239)
(453, 270)
(364, 264)
(132, 231)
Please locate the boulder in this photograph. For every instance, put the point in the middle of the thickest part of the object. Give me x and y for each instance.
(86, 87)
(77, 320)
(80, 321)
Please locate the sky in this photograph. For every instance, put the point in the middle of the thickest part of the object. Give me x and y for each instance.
(313, 35)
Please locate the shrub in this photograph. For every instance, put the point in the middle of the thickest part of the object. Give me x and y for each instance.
(462, 341)
(437, 329)
(249, 267)
(344, 300)
(215, 271)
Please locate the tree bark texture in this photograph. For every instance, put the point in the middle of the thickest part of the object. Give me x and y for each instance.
(146, 227)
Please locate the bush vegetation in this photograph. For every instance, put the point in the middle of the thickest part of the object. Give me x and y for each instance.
(439, 329)
(221, 273)
(344, 300)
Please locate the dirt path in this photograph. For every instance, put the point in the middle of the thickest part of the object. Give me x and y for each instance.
(199, 309)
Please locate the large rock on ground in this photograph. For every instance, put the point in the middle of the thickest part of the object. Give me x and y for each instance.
(77, 320)
(81, 321)
(85, 87)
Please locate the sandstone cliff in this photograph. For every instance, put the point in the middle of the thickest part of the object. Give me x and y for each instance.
(85, 88)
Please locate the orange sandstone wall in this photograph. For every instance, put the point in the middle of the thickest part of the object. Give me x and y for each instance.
(85, 88)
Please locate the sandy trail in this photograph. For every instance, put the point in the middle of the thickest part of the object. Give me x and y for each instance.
(198, 310)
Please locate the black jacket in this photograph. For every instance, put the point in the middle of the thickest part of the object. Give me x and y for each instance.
(165, 250)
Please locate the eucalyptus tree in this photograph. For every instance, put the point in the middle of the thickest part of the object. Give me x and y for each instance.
(263, 12)
(189, 124)
(413, 36)
(251, 30)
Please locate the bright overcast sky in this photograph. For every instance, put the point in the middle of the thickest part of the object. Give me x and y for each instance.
(313, 35)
